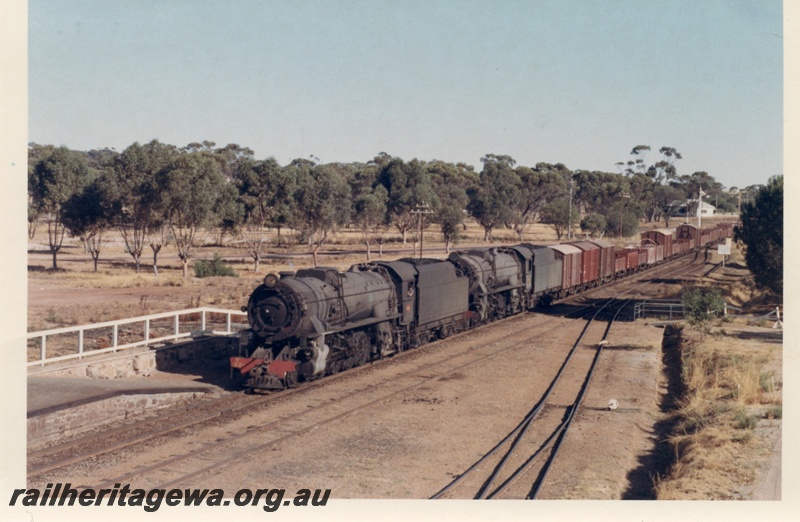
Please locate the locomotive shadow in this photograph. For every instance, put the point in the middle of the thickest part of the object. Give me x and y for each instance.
(206, 361)
(587, 307)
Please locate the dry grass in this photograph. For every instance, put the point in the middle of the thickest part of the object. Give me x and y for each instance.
(110, 278)
(731, 383)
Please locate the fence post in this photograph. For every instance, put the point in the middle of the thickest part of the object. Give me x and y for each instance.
(115, 336)
(43, 349)
(203, 320)
(177, 324)
(228, 323)
(80, 341)
(779, 322)
(147, 330)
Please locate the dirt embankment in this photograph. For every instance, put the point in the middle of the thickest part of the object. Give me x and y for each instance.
(722, 417)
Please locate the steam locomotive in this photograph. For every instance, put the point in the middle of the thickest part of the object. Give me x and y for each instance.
(315, 322)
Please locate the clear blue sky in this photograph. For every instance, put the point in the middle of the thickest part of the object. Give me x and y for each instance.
(579, 81)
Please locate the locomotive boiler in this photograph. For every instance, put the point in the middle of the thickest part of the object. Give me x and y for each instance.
(313, 321)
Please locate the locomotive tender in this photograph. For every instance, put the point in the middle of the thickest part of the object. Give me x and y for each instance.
(320, 321)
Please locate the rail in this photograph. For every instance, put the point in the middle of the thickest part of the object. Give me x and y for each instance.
(111, 337)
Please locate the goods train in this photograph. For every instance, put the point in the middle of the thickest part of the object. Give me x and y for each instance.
(319, 321)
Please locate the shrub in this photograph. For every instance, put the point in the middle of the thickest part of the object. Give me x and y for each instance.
(701, 306)
(213, 268)
(594, 224)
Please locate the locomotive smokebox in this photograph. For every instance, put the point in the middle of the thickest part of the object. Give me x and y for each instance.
(272, 313)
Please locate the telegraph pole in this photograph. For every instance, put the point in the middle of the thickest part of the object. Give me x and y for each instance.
(420, 210)
(622, 197)
(700, 208)
(569, 217)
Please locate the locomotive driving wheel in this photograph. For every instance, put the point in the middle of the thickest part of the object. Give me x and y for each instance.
(360, 348)
(290, 379)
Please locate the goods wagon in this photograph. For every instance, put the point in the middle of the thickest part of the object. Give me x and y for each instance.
(660, 236)
(630, 260)
(647, 255)
(607, 259)
(690, 233)
(570, 257)
(590, 262)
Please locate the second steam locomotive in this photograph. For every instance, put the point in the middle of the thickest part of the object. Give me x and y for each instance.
(320, 321)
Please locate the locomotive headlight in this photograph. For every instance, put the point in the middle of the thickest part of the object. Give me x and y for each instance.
(270, 280)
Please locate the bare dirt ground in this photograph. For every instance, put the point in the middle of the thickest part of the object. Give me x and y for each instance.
(412, 444)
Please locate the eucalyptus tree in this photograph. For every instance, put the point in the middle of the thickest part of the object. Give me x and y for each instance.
(229, 212)
(691, 186)
(595, 225)
(659, 172)
(642, 192)
(361, 177)
(450, 214)
(557, 213)
(538, 187)
(668, 199)
(407, 185)
(266, 191)
(450, 184)
(36, 153)
(596, 191)
(452, 174)
(88, 214)
(191, 184)
(750, 192)
(140, 207)
(493, 201)
(98, 160)
(370, 215)
(230, 156)
(56, 177)
(323, 203)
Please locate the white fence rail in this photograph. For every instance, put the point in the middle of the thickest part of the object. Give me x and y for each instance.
(113, 341)
(672, 309)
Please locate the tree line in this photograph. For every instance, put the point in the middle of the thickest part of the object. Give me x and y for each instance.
(156, 193)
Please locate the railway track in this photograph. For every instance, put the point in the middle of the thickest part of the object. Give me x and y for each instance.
(529, 444)
(498, 461)
(314, 415)
(237, 447)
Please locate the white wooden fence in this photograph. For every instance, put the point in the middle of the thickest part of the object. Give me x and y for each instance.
(145, 323)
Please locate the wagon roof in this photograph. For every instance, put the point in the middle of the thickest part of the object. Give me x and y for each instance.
(585, 245)
(565, 249)
(665, 231)
(602, 243)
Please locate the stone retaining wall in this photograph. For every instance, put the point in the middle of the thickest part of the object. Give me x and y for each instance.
(51, 426)
(142, 362)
